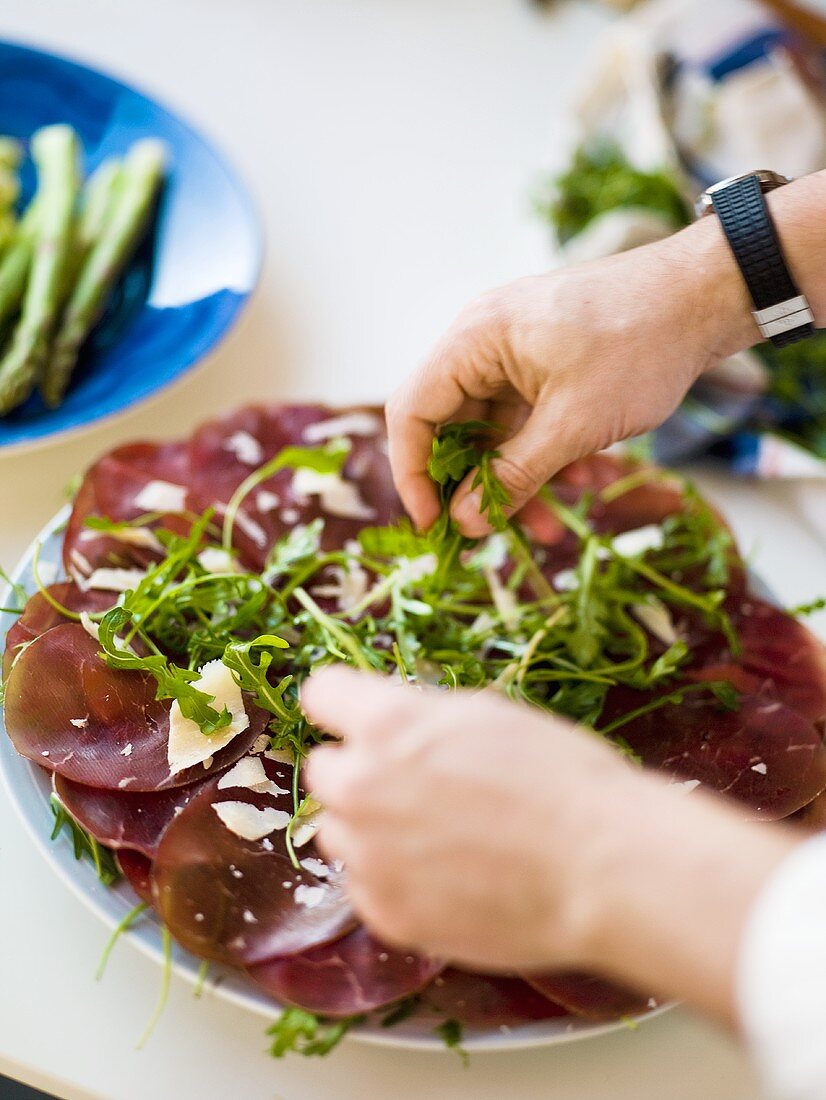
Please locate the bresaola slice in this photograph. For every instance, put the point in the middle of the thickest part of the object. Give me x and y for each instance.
(355, 974)
(123, 819)
(780, 659)
(241, 901)
(764, 753)
(126, 483)
(136, 870)
(276, 506)
(39, 615)
(590, 997)
(66, 710)
(486, 1000)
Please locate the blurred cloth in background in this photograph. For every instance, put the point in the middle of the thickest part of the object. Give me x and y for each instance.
(680, 94)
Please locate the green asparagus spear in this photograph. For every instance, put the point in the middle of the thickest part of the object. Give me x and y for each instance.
(55, 153)
(96, 202)
(14, 267)
(132, 203)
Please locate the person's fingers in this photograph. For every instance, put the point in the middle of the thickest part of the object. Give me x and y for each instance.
(543, 445)
(433, 396)
(356, 704)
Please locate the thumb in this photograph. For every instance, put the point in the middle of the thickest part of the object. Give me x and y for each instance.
(526, 462)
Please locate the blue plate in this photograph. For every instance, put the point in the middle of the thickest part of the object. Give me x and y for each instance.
(195, 271)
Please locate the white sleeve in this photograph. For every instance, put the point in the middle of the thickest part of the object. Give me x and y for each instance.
(781, 979)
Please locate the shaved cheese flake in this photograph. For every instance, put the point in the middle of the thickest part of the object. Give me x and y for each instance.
(187, 745)
(260, 743)
(308, 896)
(244, 523)
(316, 867)
(249, 773)
(161, 496)
(305, 829)
(248, 821)
(131, 536)
(338, 497)
(760, 768)
(290, 515)
(504, 600)
(91, 628)
(632, 543)
(656, 618)
(79, 723)
(350, 586)
(127, 749)
(245, 447)
(280, 756)
(116, 580)
(265, 501)
(216, 560)
(357, 423)
(80, 562)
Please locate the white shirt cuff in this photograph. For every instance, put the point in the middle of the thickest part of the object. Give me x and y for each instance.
(781, 978)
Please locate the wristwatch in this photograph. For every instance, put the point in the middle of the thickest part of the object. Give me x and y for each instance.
(782, 313)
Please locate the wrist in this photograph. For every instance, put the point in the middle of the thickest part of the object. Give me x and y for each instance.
(665, 888)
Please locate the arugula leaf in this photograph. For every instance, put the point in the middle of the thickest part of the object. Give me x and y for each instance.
(83, 843)
(451, 1033)
(600, 178)
(172, 682)
(305, 1033)
(328, 459)
(495, 497)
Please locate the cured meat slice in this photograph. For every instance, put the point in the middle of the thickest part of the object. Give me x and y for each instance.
(66, 710)
(764, 754)
(224, 452)
(123, 819)
(39, 615)
(352, 975)
(487, 1000)
(650, 502)
(590, 997)
(241, 901)
(780, 660)
(136, 870)
(115, 488)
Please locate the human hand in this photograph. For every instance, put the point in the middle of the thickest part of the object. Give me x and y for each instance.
(570, 362)
(448, 810)
(500, 837)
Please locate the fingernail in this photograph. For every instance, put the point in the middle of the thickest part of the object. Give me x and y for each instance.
(467, 514)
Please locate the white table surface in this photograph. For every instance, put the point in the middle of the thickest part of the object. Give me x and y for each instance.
(391, 146)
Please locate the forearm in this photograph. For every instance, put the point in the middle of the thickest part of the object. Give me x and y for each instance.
(701, 258)
(666, 889)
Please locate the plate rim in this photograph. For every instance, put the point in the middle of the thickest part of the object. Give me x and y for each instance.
(79, 878)
(252, 216)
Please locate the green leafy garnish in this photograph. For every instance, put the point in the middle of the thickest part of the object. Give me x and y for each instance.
(83, 843)
(305, 1033)
(451, 1033)
(599, 179)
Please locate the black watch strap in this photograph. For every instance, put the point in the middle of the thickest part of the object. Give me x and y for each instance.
(781, 311)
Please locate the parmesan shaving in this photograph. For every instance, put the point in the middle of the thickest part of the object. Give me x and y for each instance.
(161, 496)
(248, 822)
(245, 447)
(337, 496)
(357, 423)
(187, 745)
(115, 580)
